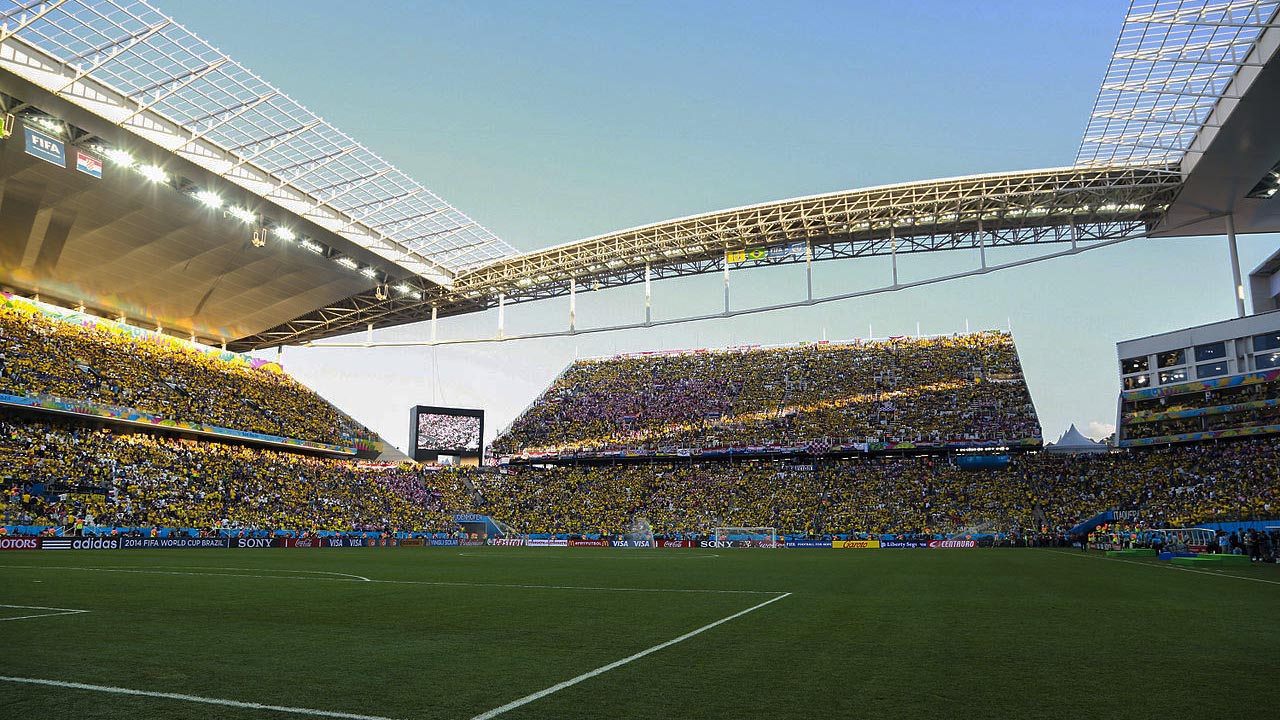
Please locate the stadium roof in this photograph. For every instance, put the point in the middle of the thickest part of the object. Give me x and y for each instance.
(1179, 140)
(127, 62)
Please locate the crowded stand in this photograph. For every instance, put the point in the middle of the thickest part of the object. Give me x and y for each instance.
(139, 480)
(1169, 487)
(45, 357)
(954, 390)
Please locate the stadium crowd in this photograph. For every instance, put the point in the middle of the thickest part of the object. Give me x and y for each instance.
(955, 388)
(44, 357)
(141, 480)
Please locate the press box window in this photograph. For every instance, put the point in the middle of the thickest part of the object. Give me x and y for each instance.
(1170, 359)
(1212, 351)
(1269, 341)
(1173, 376)
(1137, 382)
(1266, 361)
(1210, 370)
(1133, 365)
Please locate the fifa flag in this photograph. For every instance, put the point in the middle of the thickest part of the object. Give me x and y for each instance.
(88, 165)
(46, 148)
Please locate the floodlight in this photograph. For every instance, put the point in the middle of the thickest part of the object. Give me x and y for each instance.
(244, 216)
(153, 173)
(209, 198)
(347, 262)
(283, 233)
(313, 247)
(119, 157)
(368, 272)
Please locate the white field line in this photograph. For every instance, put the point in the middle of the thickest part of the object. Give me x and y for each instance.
(190, 698)
(436, 583)
(1217, 574)
(244, 569)
(619, 663)
(601, 556)
(60, 611)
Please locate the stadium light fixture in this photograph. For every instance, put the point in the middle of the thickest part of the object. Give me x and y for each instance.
(209, 199)
(347, 262)
(244, 216)
(313, 247)
(119, 157)
(409, 291)
(154, 173)
(283, 233)
(368, 272)
(48, 124)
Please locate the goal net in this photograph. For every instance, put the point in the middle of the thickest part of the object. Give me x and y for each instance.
(749, 536)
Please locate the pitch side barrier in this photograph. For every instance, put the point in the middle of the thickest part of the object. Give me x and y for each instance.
(188, 543)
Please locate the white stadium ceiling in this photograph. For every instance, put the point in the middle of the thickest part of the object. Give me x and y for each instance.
(125, 61)
(1178, 141)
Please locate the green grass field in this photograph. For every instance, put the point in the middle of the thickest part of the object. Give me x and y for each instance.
(461, 632)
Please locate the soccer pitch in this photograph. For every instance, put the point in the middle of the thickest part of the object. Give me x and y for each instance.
(414, 633)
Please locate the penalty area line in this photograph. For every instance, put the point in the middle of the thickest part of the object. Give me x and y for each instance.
(190, 698)
(619, 663)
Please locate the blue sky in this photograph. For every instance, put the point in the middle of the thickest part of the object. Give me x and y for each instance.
(553, 121)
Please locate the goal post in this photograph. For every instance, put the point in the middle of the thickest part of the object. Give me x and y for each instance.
(757, 536)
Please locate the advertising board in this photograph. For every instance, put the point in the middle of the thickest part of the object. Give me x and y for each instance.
(855, 544)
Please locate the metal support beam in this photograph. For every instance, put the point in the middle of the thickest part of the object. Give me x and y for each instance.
(648, 296)
(893, 252)
(1235, 265)
(808, 271)
(573, 303)
(726, 286)
(435, 316)
(502, 313)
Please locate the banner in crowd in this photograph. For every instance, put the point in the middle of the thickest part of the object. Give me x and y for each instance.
(808, 543)
(855, 544)
(904, 544)
(589, 543)
(506, 542)
(130, 543)
(471, 543)
(444, 542)
(676, 543)
(412, 542)
(953, 543)
(631, 543)
(533, 542)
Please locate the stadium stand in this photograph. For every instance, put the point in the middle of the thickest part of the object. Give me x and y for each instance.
(955, 391)
(114, 366)
(65, 474)
(70, 473)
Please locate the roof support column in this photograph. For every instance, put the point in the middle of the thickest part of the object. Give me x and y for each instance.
(435, 314)
(573, 302)
(893, 252)
(808, 269)
(502, 313)
(726, 285)
(982, 243)
(1235, 265)
(648, 296)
